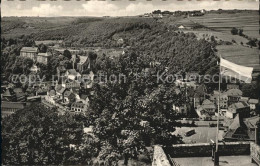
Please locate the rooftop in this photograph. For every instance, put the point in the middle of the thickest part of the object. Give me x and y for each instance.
(29, 49)
(17, 105)
(234, 92)
(44, 54)
(238, 105)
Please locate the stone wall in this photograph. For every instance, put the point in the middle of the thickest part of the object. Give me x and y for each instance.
(255, 152)
(159, 157)
(205, 149)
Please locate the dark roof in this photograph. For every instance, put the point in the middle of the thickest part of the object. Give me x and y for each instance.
(17, 105)
(83, 96)
(29, 49)
(238, 105)
(78, 105)
(9, 92)
(251, 122)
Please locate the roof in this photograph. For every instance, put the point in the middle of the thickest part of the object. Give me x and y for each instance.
(84, 97)
(72, 71)
(251, 122)
(82, 59)
(207, 104)
(234, 92)
(52, 92)
(62, 90)
(29, 49)
(9, 92)
(44, 54)
(18, 90)
(67, 93)
(78, 105)
(17, 105)
(238, 105)
(252, 101)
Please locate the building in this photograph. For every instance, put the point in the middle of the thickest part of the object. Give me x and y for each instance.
(223, 102)
(181, 27)
(252, 103)
(61, 70)
(29, 52)
(79, 107)
(200, 95)
(83, 64)
(242, 129)
(43, 58)
(241, 108)
(206, 110)
(180, 109)
(70, 84)
(72, 74)
(232, 86)
(9, 95)
(8, 108)
(234, 95)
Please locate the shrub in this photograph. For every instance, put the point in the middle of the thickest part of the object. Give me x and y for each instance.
(234, 31)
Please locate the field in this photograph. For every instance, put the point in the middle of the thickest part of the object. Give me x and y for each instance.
(240, 55)
(224, 22)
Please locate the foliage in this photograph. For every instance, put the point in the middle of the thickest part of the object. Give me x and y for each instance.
(234, 31)
(37, 135)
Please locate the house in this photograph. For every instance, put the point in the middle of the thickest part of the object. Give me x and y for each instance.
(181, 27)
(29, 52)
(223, 102)
(180, 109)
(233, 95)
(72, 74)
(8, 108)
(9, 95)
(244, 99)
(70, 84)
(232, 86)
(79, 107)
(43, 58)
(241, 108)
(34, 69)
(68, 96)
(61, 70)
(20, 95)
(206, 110)
(83, 64)
(252, 103)
(242, 129)
(200, 95)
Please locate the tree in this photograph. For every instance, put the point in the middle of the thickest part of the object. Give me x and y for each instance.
(234, 31)
(240, 32)
(67, 54)
(42, 48)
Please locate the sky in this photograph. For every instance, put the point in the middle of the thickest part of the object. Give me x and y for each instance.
(54, 8)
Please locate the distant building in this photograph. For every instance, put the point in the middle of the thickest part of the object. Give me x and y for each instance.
(223, 99)
(79, 107)
(180, 109)
(61, 70)
(234, 95)
(83, 64)
(252, 103)
(206, 110)
(241, 108)
(8, 108)
(181, 27)
(9, 95)
(43, 58)
(29, 52)
(72, 74)
(232, 86)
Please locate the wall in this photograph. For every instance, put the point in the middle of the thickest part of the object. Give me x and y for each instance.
(255, 152)
(159, 157)
(205, 149)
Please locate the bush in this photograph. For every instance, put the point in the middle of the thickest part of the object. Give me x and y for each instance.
(234, 31)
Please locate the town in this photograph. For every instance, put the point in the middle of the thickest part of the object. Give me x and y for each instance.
(148, 89)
